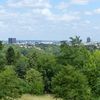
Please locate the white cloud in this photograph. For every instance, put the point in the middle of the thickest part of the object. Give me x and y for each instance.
(6, 14)
(97, 11)
(63, 5)
(40, 16)
(29, 3)
(88, 12)
(82, 2)
(96, 27)
(42, 11)
(87, 21)
(58, 17)
(46, 12)
(92, 12)
(2, 24)
(68, 18)
(64, 17)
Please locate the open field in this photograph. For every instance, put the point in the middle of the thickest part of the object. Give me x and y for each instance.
(44, 97)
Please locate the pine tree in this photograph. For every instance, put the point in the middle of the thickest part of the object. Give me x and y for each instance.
(10, 56)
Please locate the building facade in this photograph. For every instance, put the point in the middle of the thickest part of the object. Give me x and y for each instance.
(11, 40)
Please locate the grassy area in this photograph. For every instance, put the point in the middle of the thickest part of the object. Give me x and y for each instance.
(44, 97)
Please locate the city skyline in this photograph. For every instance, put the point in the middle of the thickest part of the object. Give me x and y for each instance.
(49, 19)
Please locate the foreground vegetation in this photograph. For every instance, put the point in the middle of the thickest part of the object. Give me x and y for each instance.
(69, 71)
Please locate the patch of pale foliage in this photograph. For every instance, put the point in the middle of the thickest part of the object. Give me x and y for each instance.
(44, 97)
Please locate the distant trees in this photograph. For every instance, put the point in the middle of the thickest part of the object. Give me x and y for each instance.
(76, 40)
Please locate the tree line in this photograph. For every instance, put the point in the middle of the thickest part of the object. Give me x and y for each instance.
(71, 72)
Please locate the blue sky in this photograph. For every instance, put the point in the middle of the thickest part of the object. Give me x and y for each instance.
(49, 19)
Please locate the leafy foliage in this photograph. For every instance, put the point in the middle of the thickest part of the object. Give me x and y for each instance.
(10, 84)
(21, 67)
(34, 79)
(70, 84)
(2, 61)
(1, 45)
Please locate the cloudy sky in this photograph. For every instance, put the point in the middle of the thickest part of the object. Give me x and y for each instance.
(49, 19)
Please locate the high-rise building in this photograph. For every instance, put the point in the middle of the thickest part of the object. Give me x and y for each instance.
(88, 39)
(11, 40)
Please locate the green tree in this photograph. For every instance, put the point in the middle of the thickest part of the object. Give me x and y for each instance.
(17, 56)
(35, 80)
(10, 56)
(10, 85)
(48, 67)
(96, 55)
(68, 54)
(21, 67)
(77, 56)
(97, 88)
(71, 84)
(1, 45)
(75, 40)
(93, 74)
(83, 60)
(32, 61)
(2, 61)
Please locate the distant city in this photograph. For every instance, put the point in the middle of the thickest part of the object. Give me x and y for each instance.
(31, 43)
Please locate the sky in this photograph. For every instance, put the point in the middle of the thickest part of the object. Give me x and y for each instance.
(49, 19)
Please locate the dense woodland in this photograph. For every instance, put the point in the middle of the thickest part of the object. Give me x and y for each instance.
(69, 71)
